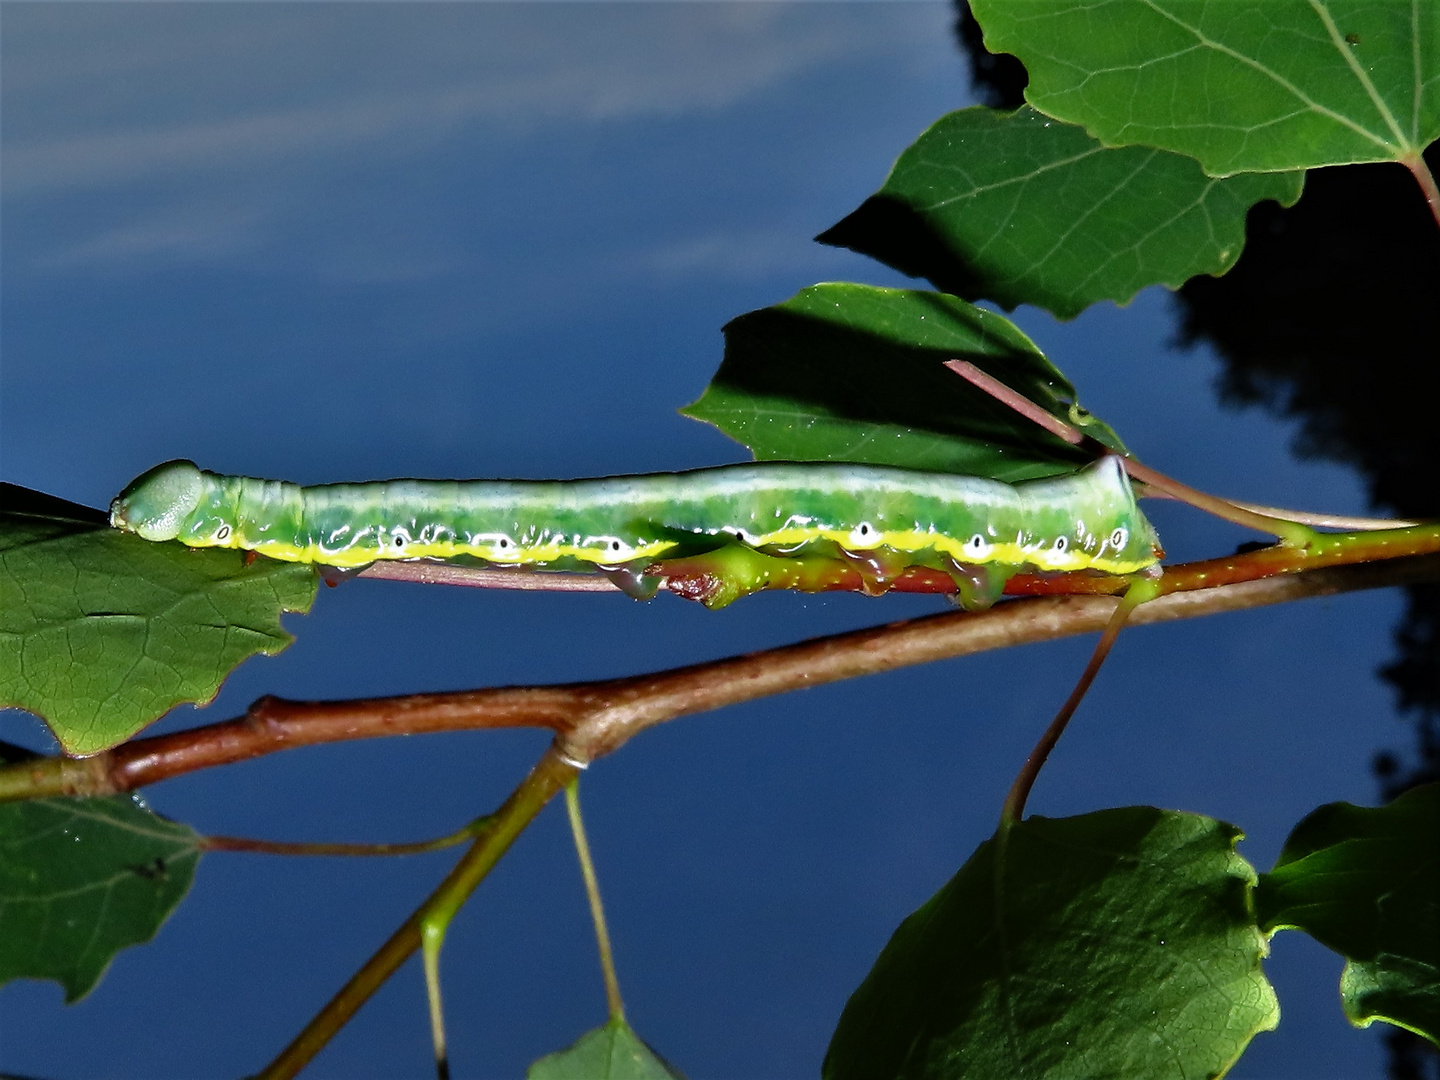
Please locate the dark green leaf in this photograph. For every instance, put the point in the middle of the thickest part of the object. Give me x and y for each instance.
(102, 632)
(1021, 209)
(1243, 87)
(1119, 944)
(1366, 882)
(81, 879)
(612, 1052)
(844, 372)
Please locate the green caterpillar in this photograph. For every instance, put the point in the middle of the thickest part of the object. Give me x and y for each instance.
(752, 522)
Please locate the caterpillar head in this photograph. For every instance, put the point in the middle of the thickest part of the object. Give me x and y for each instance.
(156, 503)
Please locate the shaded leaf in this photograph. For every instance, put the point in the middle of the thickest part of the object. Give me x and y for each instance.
(612, 1052)
(1117, 944)
(1287, 84)
(1018, 208)
(81, 879)
(1366, 883)
(102, 632)
(844, 372)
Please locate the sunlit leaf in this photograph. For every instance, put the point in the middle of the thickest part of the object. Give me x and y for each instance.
(102, 632)
(1019, 208)
(1243, 87)
(1119, 944)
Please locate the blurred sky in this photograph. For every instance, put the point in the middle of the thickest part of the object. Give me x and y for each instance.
(338, 241)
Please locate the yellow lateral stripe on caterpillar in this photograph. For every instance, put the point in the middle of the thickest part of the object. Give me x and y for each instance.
(1088, 520)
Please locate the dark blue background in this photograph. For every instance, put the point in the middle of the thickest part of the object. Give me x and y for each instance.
(336, 242)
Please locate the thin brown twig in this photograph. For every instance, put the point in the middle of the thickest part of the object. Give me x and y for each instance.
(1289, 531)
(1320, 520)
(1014, 807)
(302, 847)
(1021, 404)
(614, 1003)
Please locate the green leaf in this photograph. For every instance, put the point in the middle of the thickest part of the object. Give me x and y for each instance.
(81, 879)
(612, 1052)
(844, 372)
(1242, 87)
(1020, 209)
(1117, 944)
(1366, 883)
(102, 632)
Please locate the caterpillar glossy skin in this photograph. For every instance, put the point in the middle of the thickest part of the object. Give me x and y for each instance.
(881, 517)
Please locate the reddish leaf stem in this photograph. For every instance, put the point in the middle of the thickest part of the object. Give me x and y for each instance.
(1420, 169)
(1014, 807)
(1021, 404)
(1288, 531)
(286, 847)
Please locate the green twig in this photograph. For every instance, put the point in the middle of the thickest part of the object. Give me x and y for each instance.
(597, 910)
(432, 937)
(550, 774)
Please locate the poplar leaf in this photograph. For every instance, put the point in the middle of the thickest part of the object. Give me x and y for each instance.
(612, 1052)
(845, 372)
(1022, 209)
(1366, 882)
(102, 633)
(81, 879)
(1241, 87)
(1118, 944)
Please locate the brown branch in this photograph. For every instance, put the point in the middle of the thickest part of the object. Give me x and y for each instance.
(592, 719)
(634, 704)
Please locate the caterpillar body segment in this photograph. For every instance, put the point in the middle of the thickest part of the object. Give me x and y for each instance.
(880, 520)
